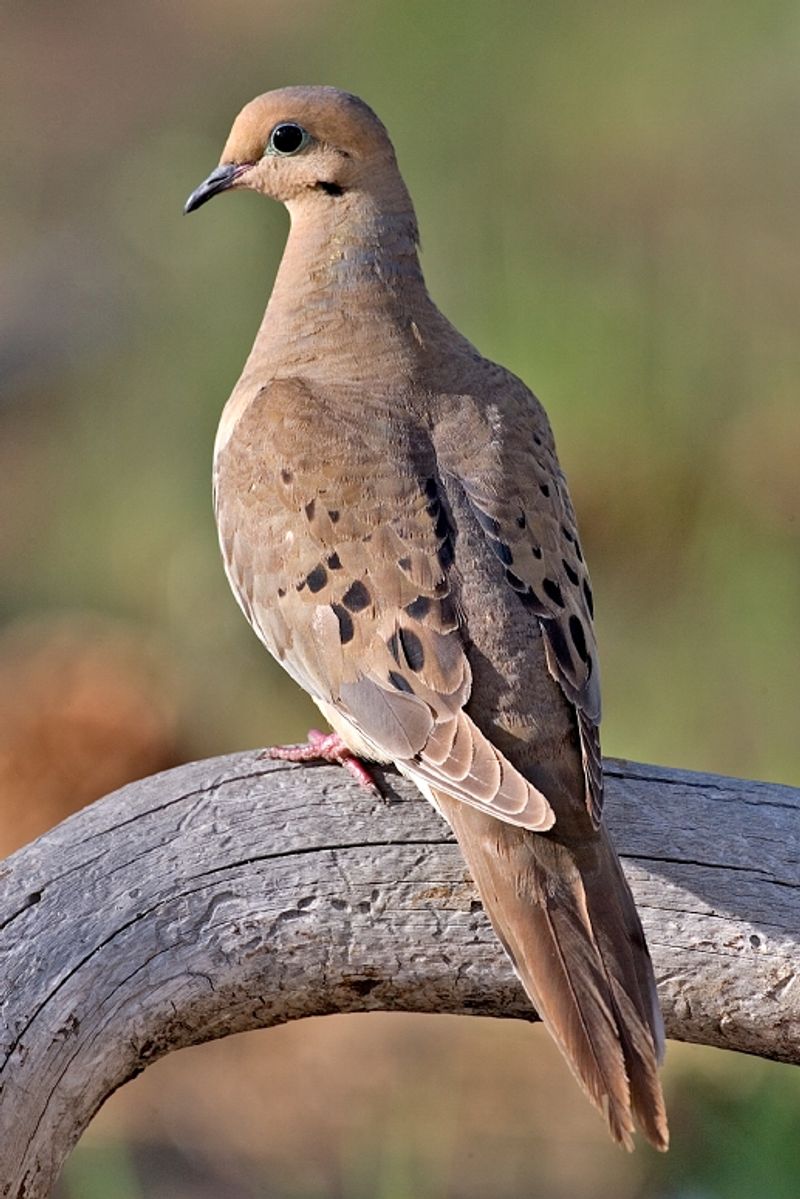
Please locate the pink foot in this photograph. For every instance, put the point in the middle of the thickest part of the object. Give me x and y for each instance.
(324, 747)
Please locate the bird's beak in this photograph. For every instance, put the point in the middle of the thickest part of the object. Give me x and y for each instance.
(220, 179)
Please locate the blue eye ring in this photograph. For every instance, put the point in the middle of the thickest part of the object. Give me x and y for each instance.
(287, 138)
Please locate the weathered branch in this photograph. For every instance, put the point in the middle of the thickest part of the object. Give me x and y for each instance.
(237, 893)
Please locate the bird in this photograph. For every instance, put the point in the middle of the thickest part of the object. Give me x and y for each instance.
(397, 529)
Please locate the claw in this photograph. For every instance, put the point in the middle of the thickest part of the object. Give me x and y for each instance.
(325, 747)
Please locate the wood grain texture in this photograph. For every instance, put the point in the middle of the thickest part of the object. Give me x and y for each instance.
(238, 893)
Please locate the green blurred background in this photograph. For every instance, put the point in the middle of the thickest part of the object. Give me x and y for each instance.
(608, 197)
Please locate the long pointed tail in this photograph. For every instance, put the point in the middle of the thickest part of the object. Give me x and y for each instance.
(567, 920)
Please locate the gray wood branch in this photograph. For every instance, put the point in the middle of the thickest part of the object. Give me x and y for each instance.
(238, 893)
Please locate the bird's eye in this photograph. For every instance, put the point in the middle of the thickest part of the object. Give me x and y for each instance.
(287, 138)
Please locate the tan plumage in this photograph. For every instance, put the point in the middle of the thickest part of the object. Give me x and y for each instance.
(398, 531)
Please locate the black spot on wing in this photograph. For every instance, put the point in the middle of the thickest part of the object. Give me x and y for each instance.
(578, 637)
(400, 682)
(516, 582)
(553, 592)
(531, 600)
(443, 527)
(412, 648)
(587, 595)
(570, 572)
(487, 522)
(558, 641)
(346, 629)
(357, 597)
(445, 554)
(492, 528)
(317, 578)
(419, 608)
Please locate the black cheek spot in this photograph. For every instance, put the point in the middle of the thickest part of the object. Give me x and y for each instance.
(357, 597)
(570, 572)
(400, 682)
(578, 637)
(419, 608)
(544, 488)
(412, 648)
(317, 579)
(587, 595)
(330, 189)
(552, 590)
(310, 508)
(346, 629)
(334, 561)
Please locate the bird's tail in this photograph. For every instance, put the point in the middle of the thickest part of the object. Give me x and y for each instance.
(567, 920)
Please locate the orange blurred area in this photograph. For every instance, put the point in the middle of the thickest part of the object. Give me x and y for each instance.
(608, 204)
(84, 708)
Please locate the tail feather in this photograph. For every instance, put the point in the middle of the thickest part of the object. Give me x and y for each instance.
(567, 920)
(626, 959)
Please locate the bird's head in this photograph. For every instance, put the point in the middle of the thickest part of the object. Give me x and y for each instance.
(303, 143)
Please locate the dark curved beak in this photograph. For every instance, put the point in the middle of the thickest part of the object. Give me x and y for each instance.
(220, 179)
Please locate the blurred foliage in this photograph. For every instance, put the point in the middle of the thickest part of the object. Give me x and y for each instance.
(608, 203)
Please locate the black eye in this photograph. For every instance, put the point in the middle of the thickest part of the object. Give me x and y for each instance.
(287, 139)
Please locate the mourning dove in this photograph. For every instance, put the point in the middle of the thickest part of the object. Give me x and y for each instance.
(397, 530)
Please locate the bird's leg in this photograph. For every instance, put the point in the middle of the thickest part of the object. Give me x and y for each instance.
(324, 747)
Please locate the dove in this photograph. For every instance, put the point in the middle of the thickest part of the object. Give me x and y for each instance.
(397, 530)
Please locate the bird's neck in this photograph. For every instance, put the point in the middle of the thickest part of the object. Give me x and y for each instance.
(349, 296)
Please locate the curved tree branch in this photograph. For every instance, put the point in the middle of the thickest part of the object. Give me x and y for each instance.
(238, 893)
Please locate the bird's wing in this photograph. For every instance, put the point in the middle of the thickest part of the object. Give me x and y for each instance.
(507, 467)
(340, 551)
